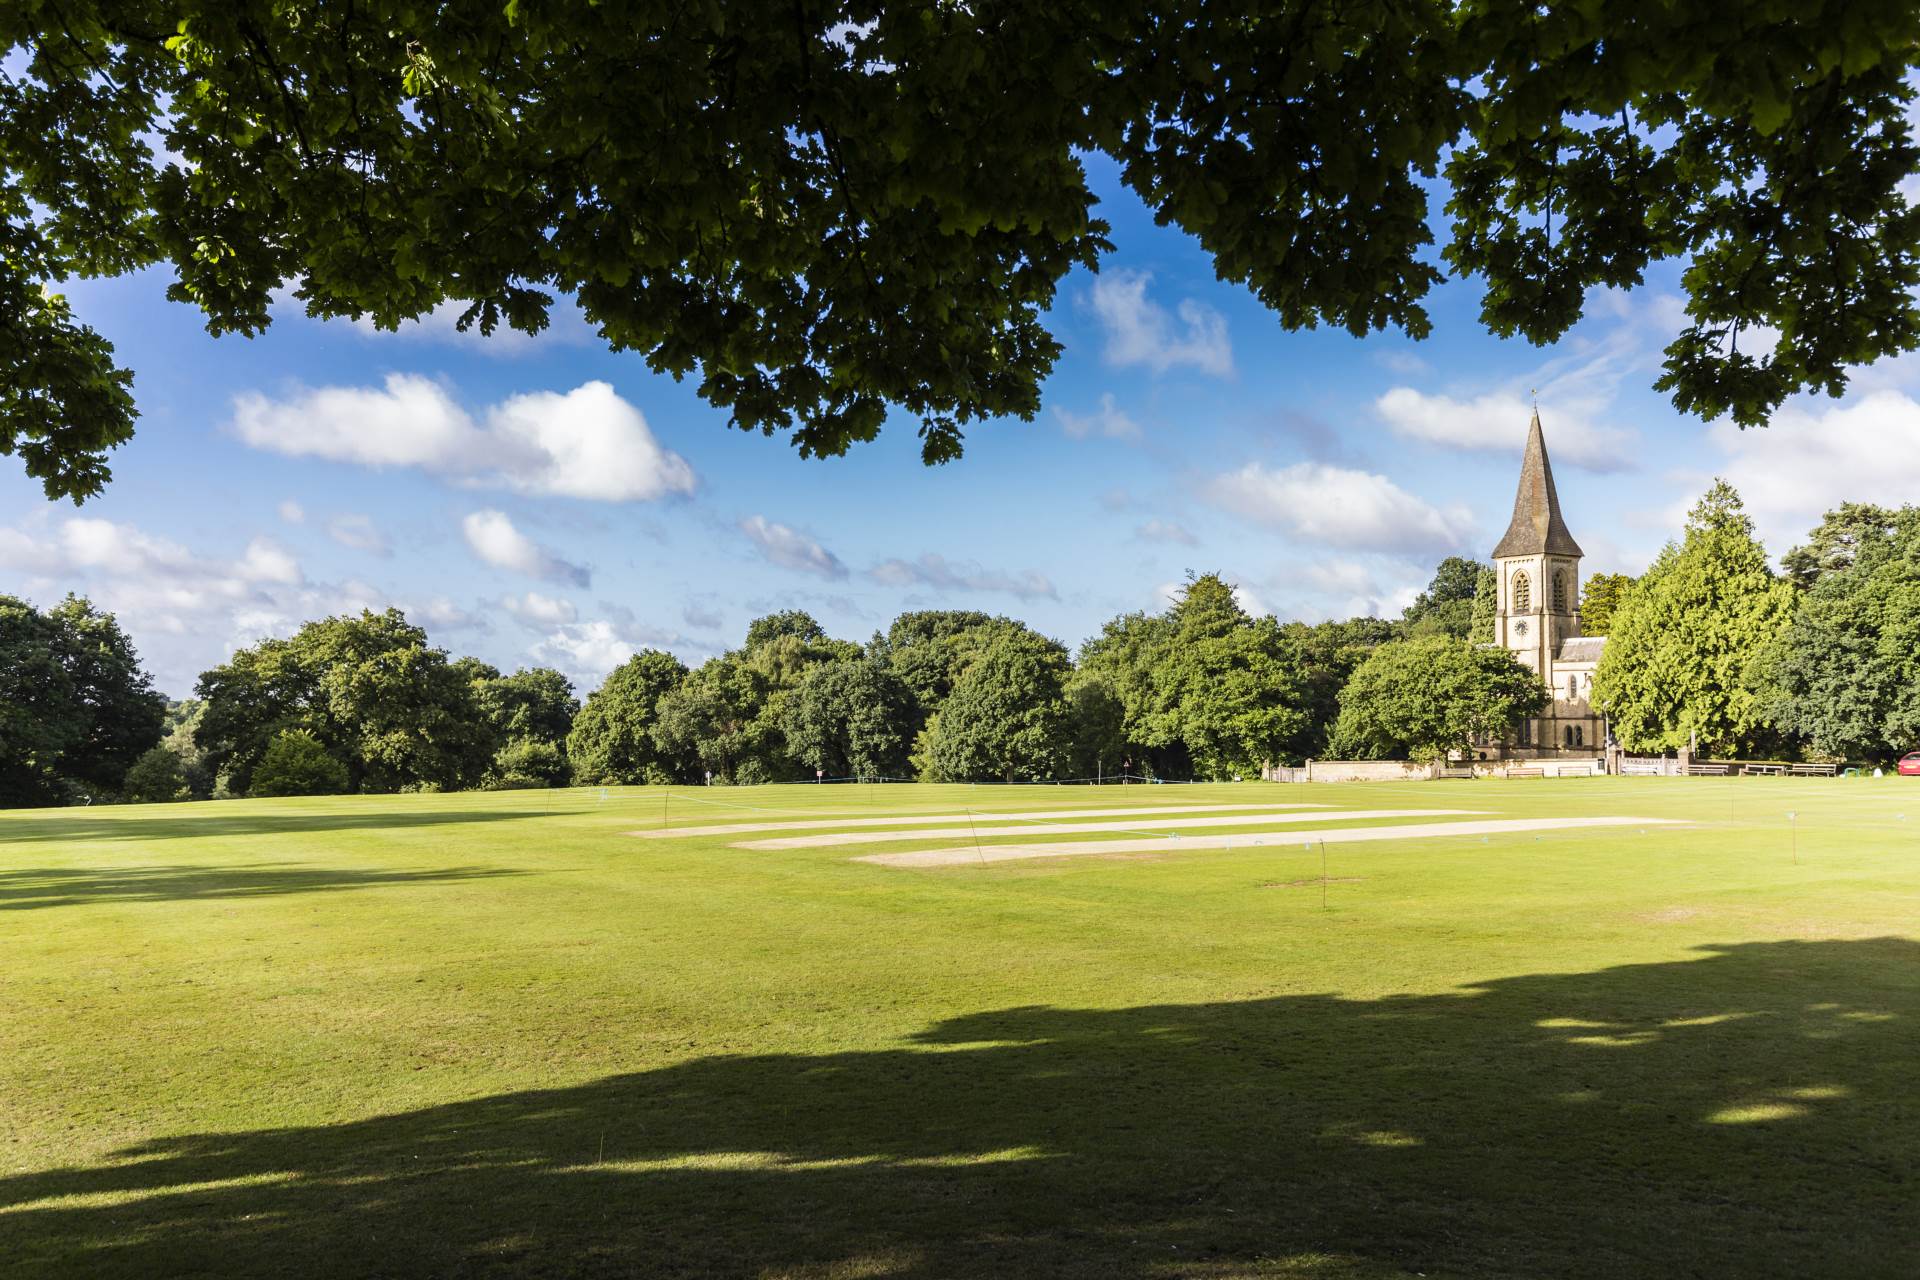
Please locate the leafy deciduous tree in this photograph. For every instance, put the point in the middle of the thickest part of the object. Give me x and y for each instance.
(1422, 698)
(829, 209)
(295, 763)
(850, 718)
(1007, 717)
(1845, 673)
(612, 739)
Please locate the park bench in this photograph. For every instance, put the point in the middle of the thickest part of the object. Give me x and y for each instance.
(1708, 770)
(1813, 770)
(1764, 770)
(1526, 773)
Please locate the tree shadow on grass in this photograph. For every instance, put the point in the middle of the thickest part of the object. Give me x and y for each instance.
(1747, 1113)
(31, 888)
(208, 822)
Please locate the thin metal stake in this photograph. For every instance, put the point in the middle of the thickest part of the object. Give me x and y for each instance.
(978, 852)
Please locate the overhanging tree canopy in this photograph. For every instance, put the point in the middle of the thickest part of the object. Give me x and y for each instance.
(830, 210)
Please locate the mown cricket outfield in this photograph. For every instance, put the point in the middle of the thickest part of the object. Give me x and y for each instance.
(1576, 1028)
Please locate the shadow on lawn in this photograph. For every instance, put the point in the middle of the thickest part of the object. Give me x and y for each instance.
(129, 822)
(1750, 1112)
(30, 888)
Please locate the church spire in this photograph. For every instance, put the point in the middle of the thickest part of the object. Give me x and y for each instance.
(1537, 528)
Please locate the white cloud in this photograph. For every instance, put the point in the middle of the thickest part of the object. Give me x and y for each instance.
(184, 609)
(791, 549)
(586, 651)
(588, 443)
(936, 571)
(1141, 332)
(1816, 455)
(492, 537)
(1342, 508)
(537, 610)
(360, 533)
(411, 422)
(1109, 421)
(292, 512)
(267, 561)
(441, 614)
(1497, 422)
(566, 325)
(1165, 531)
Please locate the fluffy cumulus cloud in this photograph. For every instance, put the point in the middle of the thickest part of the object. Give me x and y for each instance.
(492, 537)
(1341, 507)
(587, 443)
(791, 549)
(1497, 423)
(1139, 331)
(187, 609)
(586, 651)
(1818, 454)
(1109, 421)
(941, 574)
(536, 610)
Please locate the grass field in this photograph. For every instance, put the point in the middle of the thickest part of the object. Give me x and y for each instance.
(500, 1034)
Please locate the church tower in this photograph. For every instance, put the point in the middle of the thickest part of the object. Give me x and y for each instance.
(1538, 609)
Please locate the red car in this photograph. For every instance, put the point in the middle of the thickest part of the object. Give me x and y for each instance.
(1909, 765)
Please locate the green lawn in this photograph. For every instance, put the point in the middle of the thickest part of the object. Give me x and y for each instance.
(494, 1034)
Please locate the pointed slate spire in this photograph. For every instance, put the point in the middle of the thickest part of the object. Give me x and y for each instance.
(1537, 528)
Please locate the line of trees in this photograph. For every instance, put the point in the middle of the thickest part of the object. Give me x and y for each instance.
(1710, 647)
(365, 703)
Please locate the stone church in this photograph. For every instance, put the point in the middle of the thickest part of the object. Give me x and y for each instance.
(1537, 618)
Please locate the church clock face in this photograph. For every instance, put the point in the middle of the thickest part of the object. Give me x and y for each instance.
(1520, 628)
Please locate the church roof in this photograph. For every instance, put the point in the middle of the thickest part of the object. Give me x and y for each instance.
(1537, 528)
(1580, 649)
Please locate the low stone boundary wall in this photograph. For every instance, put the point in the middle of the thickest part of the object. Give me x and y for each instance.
(1367, 771)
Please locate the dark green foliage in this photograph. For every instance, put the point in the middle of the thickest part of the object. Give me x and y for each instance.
(1419, 699)
(296, 764)
(76, 710)
(530, 713)
(156, 778)
(826, 211)
(612, 740)
(929, 650)
(1098, 726)
(1447, 606)
(528, 762)
(1836, 540)
(850, 719)
(394, 711)
(1683, 658)
(1486, 606)
(1600, 600)
(183, 718)
(1845, 674)
(1007, 718)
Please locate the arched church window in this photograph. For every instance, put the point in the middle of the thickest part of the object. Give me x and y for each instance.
(1522, 592)
(1559, 591)
(1568, 735)
(1579, 736)
(1573, 687)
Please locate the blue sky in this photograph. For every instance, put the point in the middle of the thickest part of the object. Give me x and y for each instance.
(547, 501)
